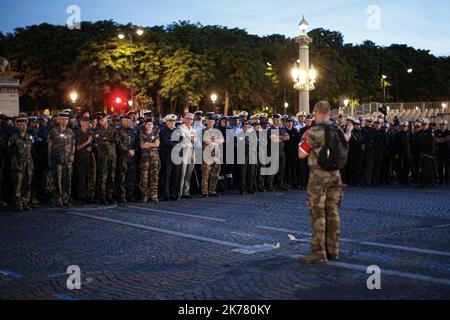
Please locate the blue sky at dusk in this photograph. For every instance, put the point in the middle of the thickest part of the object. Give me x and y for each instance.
(418, 23)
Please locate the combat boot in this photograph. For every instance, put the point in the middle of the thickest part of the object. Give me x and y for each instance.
(154, 200)
(2, 204)
(313, 259)
(144, 199)
(35, 202)
(333, 257)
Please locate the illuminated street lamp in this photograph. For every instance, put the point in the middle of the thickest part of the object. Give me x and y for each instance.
(410, 70)
(74, 96)
(444, 106)
(122, 36)
(286, 105)
(118, 100)
(303, 75)
(214, 98)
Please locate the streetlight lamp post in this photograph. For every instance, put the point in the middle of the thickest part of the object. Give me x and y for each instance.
(74, 97)
(122, 36)
(304, 77)
(214, 99)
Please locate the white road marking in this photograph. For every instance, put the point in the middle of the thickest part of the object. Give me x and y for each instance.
(175, 213)
(173, 233)
(407, 275)
(367, 243)
(95, 208)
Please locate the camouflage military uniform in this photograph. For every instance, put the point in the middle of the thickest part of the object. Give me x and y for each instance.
(210, 172)
(126, 181)
(21, 168)
(324, 199)
(62, 159)
(85, 167)
(149, 167)
(105, 140)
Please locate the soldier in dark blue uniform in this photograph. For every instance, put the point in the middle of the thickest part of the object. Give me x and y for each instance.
(171, 171)
(292, 154)
(426, 149)
(443, 152)
(403, 153)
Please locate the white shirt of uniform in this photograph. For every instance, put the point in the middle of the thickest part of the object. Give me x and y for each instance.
(198, 130)
(300, 126)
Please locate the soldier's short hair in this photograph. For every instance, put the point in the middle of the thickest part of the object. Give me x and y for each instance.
(322, 107)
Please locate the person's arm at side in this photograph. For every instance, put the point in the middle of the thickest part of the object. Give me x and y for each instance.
(305, 146)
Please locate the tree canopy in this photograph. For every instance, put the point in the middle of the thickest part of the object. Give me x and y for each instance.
(182, 64)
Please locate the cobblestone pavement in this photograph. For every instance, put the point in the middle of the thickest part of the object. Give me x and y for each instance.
(229, 248)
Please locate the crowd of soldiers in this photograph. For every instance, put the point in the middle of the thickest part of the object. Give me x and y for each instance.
(89, 159)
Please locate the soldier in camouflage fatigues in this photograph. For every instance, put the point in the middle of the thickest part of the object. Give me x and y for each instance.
(324, 194)
(85, 166)
(212, 138)
(127, 144)
(105, 141)
(20, 145)
(61, 149)
(150, 162)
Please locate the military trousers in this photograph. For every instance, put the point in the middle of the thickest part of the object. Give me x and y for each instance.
(150, 167)
(22, 185)
(324, 200)
(62, 177)
(210, 177)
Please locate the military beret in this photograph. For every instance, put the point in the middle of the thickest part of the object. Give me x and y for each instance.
(290, 119)
(277, 116)
(171, 117)
(148, 113)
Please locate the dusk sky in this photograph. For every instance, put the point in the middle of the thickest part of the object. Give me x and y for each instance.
(418, 23)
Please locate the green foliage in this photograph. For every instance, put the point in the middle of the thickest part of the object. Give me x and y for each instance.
(184, 62)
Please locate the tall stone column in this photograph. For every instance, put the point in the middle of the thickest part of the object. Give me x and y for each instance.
(304, 41)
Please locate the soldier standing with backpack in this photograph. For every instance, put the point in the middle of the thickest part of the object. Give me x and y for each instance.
(326, 145)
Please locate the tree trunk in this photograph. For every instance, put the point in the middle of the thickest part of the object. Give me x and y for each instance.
(227, 103)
